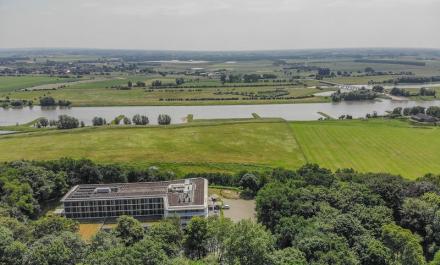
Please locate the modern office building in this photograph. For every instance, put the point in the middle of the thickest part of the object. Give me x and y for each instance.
(182, 198)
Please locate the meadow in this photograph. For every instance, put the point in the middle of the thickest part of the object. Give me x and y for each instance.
(213, 146)
(11, 83)
(104, 93)
(230, 146)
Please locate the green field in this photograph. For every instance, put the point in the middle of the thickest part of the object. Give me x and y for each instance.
(101, 93)
(11, 83)
(229, 146)
(385, 146)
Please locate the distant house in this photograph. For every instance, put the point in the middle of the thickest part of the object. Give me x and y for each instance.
(421, 117)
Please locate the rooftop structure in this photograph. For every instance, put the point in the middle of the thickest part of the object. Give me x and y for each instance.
(182, 198)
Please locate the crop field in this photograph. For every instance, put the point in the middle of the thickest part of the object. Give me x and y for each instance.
(229, 146)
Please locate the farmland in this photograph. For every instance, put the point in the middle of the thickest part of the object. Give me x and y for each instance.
(229, 146)
(11, 83)
(104, 82)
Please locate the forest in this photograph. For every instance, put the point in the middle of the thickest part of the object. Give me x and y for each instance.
(308, 216)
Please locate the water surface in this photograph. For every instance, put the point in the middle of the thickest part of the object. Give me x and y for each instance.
(294, 112)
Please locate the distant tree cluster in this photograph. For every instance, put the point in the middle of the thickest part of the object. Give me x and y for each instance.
(378, 89)
(360, 94)
(50, 101)
(163, 119)
(140, 119)
(395, 91)
(433, 111)
(67, 122)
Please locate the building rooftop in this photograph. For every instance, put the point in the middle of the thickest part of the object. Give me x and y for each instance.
(185, 192)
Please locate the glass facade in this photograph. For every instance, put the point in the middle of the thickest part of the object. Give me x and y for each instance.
(149, 207)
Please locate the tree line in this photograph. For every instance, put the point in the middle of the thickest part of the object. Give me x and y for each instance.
(307, 216)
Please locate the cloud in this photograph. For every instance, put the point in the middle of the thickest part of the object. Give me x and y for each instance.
(219, 24)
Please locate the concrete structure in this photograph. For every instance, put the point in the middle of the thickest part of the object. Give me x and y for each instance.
(153, 200)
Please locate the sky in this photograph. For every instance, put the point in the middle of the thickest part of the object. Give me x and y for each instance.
(219, 24)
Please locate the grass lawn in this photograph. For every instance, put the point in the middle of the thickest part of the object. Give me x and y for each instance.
(218, 146)
(230, 146)
(377, 146)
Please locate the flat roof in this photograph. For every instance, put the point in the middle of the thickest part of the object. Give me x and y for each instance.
(87, 192)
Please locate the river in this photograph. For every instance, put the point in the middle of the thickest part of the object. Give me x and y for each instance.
(294, 112)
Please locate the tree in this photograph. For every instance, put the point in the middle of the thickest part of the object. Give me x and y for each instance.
(66, 248)
(223, 78)
(378, 89)
(180, 81)
(156, 83)
(140, 119)
(219, 228)
(404, 244)
(288, 256)
(98, 121)
(144, 120)
(164, 119)
(397, 111)
(348, 226)
(422, 216)
(144, 252)
(43, 122)
(369, 70)
(126, 121)
(14, 254)
(104, 241)
(315, 175)
(6, 240)
(427, 92)
(129, 230)
(248, 243)
(47, 101)
(249, 182)
(67, 122)
(53, 225)
(168, 231)
(433, 111)
(372, 251)
(140, 84)
(436, 260)
(195, 242)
